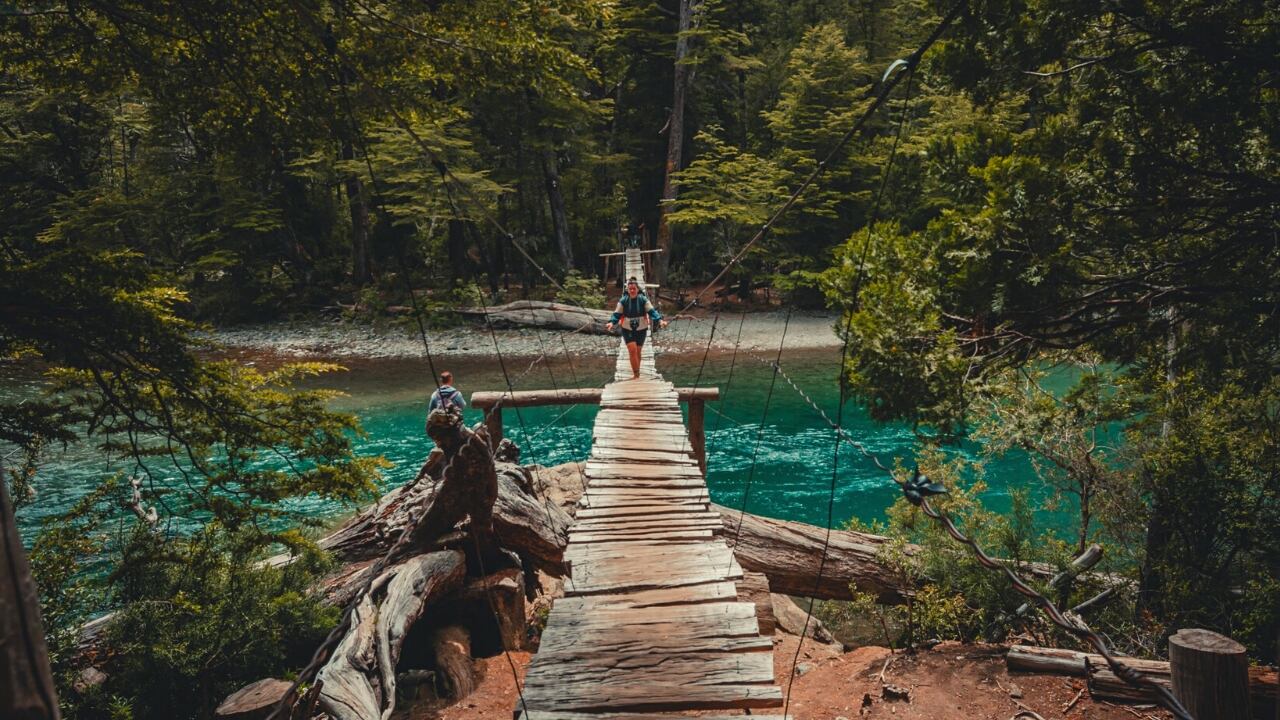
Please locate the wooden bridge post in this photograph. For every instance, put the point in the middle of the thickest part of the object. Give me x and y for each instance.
(697, 436)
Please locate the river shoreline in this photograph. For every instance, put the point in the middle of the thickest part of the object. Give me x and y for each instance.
(340, 339)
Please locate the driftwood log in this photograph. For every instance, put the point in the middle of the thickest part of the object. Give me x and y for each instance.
(522, 521)
(254, 701)
(544, 314)
(1103, 684)
(789, 554)
(466, 514)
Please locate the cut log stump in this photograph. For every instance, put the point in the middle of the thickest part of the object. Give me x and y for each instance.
(1210, 674)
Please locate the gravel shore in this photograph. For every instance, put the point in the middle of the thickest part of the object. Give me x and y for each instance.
(342, 339)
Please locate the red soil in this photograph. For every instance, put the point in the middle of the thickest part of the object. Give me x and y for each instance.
(952, 681)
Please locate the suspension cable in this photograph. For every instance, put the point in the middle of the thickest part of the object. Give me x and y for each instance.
(746, 493)
(844, 351)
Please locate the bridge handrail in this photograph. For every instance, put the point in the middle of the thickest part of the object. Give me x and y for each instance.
(485, 399)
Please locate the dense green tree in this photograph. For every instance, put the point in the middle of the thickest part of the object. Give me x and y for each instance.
(1132, 216)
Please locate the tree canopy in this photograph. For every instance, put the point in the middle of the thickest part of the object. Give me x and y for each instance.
(1057, 186)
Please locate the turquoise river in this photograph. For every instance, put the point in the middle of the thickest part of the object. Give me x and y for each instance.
(785, 456)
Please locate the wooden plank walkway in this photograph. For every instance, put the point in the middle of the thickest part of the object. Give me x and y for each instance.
(651, 622)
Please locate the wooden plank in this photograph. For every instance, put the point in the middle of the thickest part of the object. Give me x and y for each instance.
(629, 495)
(672, 636)
(687, 483)
(639, 421)
(615, 468)
(594, 571)
(708, 521)
(721, 591)
(663, 454)
(627, 417)
(645, 441)
(558, 694)
(648, 466)
(621, 502)
(600, 670)
(724, 615)
(561, 715)
(685, 534)
(666, 516)
(665, 508)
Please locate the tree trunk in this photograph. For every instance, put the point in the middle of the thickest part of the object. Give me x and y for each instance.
(675, 135)
(361, 272)
(457, 246)
(555, 198)
(1159, 531)
(26, 685)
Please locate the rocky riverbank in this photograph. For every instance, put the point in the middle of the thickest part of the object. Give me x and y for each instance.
(344, 339)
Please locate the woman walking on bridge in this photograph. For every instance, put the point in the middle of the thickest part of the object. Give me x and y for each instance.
(636, 313)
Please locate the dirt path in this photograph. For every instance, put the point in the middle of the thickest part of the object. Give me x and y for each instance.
(952, 681)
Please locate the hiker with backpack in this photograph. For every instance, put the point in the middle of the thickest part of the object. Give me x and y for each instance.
(446, 396)
(634, 315)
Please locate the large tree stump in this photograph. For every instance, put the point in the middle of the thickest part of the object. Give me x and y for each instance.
(1210, 674)
(359, 679)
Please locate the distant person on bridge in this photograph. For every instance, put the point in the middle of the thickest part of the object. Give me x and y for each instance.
(636, 314)
(446, 396)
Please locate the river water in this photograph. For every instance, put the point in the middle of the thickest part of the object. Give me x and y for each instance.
(772, 448)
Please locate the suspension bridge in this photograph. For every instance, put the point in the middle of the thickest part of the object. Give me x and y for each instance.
(650, 621)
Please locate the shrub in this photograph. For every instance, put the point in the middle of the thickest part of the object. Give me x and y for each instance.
(200, 620)
(579, 290)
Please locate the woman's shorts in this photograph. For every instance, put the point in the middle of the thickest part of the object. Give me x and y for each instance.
(634, 336)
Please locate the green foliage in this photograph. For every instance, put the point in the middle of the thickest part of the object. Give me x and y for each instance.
(60, 558)
(200, 619)
(1209, 461)
(1068, 436)
(581, 291)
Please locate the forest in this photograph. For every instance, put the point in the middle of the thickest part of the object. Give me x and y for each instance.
(1053, 186)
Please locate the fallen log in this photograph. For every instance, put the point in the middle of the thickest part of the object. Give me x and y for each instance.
(1104, 684)
(789, 553)
(538, 313)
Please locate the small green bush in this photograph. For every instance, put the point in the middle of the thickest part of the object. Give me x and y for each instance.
(579, 290)
(207, 622)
